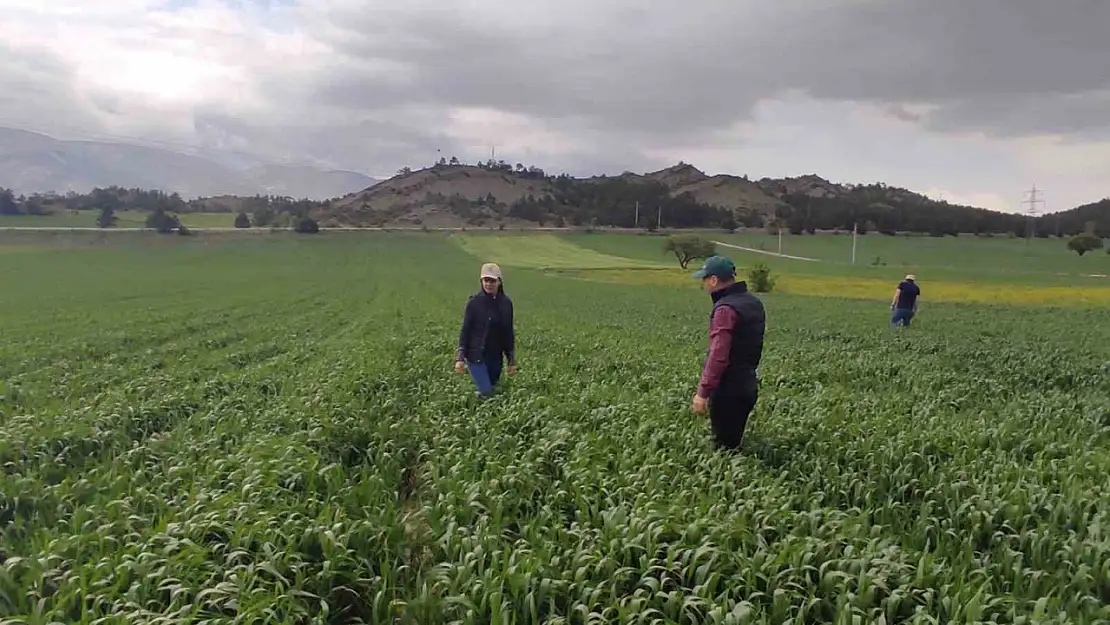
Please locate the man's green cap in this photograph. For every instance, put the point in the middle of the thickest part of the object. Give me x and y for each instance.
(719, 266)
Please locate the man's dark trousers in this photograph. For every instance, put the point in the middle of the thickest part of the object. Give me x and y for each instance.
(729, 409)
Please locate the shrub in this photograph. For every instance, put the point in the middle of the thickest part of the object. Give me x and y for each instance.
(759, 279)
(306, 225)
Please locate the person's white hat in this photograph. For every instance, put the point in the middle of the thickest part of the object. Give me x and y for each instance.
(910, 276)
(491, 270)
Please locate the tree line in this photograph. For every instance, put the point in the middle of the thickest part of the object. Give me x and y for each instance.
(877, 208)
(623, 202)
(148, 200)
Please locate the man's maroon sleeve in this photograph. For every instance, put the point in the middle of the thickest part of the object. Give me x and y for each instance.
(720, 342)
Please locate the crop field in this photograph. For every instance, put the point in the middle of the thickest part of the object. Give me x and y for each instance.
(126, 219)
(268, 430)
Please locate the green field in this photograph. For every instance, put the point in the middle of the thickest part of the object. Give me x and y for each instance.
(995, 259)
(231, 429)
(127, 219)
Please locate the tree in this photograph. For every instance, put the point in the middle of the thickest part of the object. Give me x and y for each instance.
(687, 247)
(162, 222)
(8, 205)
(1083, 243)
(263, 216)
(242, 221)
(306, 225)
(454, 160)
(728, 224)
(107, 218)
(34, 205)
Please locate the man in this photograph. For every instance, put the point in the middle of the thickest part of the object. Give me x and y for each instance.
(904, 304)
(729, 387)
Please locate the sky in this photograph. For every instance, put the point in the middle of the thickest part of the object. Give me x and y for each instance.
(971, 102)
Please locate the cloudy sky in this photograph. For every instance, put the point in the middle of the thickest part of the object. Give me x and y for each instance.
(974, 101)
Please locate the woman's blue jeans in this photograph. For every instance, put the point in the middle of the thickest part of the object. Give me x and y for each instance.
(485, 374)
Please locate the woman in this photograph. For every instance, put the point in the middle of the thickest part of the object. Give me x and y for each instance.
(487, 333)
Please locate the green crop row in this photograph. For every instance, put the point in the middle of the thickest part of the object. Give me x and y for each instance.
(270, 432)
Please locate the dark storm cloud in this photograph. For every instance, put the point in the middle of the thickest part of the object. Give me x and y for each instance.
(1007, 66)
(621, 67)
(621, 79)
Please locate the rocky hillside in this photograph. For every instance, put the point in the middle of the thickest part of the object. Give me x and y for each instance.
(722, 190)
(450, 194)
(443, 195)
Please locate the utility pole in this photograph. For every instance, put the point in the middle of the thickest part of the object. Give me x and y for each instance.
(854, 230)
(637, 214)
(1032, 212)
(659, 218)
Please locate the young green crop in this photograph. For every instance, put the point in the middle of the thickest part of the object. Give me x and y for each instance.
(269, 430)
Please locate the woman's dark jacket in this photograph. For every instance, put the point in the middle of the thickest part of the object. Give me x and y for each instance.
(487, 328)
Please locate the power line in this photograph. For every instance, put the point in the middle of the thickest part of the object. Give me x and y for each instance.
(1032, 212)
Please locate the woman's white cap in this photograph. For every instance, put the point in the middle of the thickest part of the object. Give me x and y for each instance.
(491, 270)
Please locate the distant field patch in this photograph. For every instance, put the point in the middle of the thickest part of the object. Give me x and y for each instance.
(125, 219)
(874, 289)
(544, 251)
(17, 248)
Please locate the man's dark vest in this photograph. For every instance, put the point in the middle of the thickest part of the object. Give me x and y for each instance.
(747, 337)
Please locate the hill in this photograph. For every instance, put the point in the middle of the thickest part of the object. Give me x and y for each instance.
(676, 197)
(496, 194)
(36, 163)
(1094, 217)
(727, 191)
(439, 196)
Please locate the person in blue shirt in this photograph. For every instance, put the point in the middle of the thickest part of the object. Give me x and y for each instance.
(904, 304)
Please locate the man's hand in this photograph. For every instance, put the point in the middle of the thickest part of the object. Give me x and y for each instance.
(698, 406)
(460, 366)
(511, 369)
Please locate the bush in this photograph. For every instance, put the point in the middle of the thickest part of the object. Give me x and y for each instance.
(107, 218)
(163, 222)
(242, 221)
(760, 280)
(1083, 243)
(306, 225)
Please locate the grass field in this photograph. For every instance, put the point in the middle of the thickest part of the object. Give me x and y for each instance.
(127, 219)
(952, 270)
(267, 429)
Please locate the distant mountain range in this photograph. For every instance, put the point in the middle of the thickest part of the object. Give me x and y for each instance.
(31, 162)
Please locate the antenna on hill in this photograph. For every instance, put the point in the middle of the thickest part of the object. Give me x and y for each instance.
(1032, 212)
